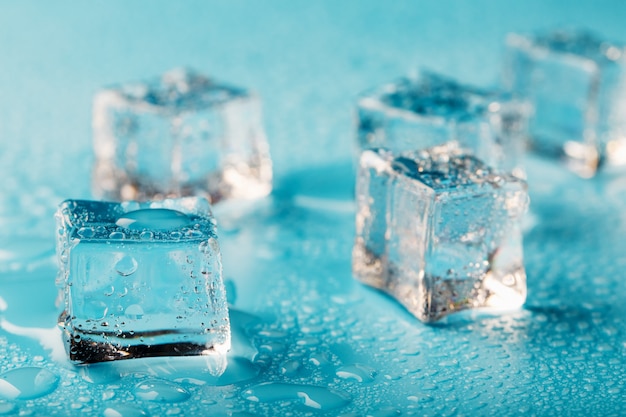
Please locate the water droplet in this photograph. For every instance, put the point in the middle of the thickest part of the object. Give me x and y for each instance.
(272, 334)
(385, 412)
(358, 372)
(195, 233)
(108, 394)
(320, 359)
(147, 235)
(160, 391)
(86, 232)
(123, 410)
(27, 383)
(308, 341)
(319, 398)
(290, 368)
(173, 411)
(126, 266)
(134, 311)
(272, 347)
(117, 236)
(154, 219)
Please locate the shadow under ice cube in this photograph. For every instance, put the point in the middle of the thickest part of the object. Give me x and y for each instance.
(181, 135)
(577, 85)
(141, 280)
(431, 110)
(440, 231)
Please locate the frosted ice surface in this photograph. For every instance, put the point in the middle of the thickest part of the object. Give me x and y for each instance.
(140, 279)
(576, 82)
(430, 110)
(440, 231)
(180, 135)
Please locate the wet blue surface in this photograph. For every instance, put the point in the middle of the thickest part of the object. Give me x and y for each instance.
(307, 338)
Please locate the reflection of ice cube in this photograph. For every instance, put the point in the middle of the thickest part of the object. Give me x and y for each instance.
(431, 110)
(140, 279)
(440, 231)
(577, 84)
(180, 135)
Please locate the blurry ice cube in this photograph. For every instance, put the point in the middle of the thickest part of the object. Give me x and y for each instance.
(576, 82)
(430, 110)
(181, 135)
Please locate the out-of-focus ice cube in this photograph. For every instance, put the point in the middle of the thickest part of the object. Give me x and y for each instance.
(432, 110)
(180, 135)
(439, 231)
(140, 279)
(577, 84)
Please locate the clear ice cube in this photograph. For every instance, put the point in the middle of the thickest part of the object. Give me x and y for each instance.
(577, 85)
(430, 110)
(140, 280)
(181, 135)
(440, 231)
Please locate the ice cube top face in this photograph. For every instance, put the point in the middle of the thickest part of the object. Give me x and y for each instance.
(577, 85)
(180, 135)
(432, 110)
(140, 279)
(439, 230)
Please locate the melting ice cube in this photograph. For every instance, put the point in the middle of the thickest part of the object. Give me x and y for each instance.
(140, 279)
(576, 82)
(440, 231)
(431, 110)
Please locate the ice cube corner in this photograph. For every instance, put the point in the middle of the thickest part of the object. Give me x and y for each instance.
(439, 231)
(140, 280)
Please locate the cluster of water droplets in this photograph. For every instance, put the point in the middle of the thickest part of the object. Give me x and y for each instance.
(340, 349)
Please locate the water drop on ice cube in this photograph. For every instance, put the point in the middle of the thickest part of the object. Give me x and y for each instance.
(126, 266)
(154, 219)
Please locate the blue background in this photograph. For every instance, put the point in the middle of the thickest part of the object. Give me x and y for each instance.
(287, 260)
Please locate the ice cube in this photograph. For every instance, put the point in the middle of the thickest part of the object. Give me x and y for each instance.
(430, 110)
(440, 231)
(577, 84)
(140, 279)
(181, 135)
